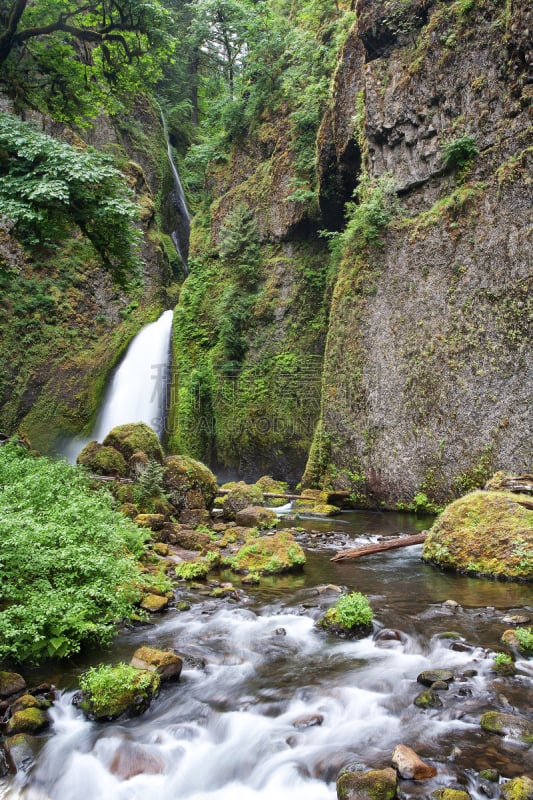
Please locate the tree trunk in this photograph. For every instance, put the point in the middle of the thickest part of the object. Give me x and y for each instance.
(379, 547)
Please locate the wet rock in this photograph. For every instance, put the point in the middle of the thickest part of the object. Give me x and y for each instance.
(489, 775)
(452, 604)
(517, 789)
(308, 721)
(167, 664)
(29, 701)
(450, 794)
(430, 676)
(240, 496)
(183, 605)
(132, 759)
(192, 540)
(29, 720)
(133, 438)
(4, 764)
(20, 750)
(256, 517)
(470, 673)
(103, 460)
(271, 554)
(328, 587)
(189, 483)
(508, 725)
(280, 632)
(427, 699)
(350, 617)
(516, 619)
(378, 784)
(154, 603)
(410, 766)
(11, 683)
(154, 522)
(111, 692)
(439, 686)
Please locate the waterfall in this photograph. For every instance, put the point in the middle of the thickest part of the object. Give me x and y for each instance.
(180, 234)
(138, 390)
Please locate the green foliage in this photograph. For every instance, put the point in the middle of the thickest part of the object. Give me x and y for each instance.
(109, 686)
(353, 609)
(525, 639)
(458, 153)
(67, 574)
(150, 482)
(367, 219)
(47, 186)
(421, 504)
(189, 570)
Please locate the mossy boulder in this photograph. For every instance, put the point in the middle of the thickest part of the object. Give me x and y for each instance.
(520, 639)
(189, 483)
(29, 701)
(505, 724)
(517, 789)
(450, 794)
(269, 555)
(134, 438)
(487, 533)
(314, 503)
(108, 692)
(154, 603)
(427, 699)
(378, 784)
(154, 522)
(11, 683)
(350, 617)
(431, 676)
(28, 720)
(256, 517)
(102, 460)
(240, 496)
(21, 749)
(271, 486)
(167, 664)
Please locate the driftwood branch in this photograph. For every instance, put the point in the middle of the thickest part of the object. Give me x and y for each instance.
(379, 547)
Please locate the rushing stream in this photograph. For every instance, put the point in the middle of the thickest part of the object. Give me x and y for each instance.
(268, 706)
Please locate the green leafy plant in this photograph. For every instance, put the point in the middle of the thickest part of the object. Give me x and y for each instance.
(150, 482)
(353, 609)
(458, 153)
(67, 573)
(525, 639)
(107, 685)
(190, 570)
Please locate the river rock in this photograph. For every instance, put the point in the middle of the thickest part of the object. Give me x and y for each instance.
(133, 438)
(272, 554)
(308, 721)
(189, 483)
(517, 789)
(240, 496)
(29, 720)
(191, 540)
(29, 701)
(410, 766)
(428, 699)
(166, 663)
(111, 692)
(256, 517)
(508, 725)
(132, 759)
(268, 484)
(11, 683)
(20, 751)
(450, 794)
(378, 784)
(516, 619)
(430, 676)
(154, 603)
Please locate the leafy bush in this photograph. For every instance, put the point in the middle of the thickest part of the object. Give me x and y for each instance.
(190, 570)
(353, 609)
(459, 152)
(110, 689)
(47, 186)
(525, 639)
(67, 573)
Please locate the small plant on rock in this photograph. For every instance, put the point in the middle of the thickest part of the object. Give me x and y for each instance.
(457, 153)
(525, 640)
(350, 616)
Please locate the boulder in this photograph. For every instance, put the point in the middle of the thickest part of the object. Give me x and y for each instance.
(189, 483)
(350, 617)
(29, 701)
(133, 438)
(308, 721)
(4, 763)
(484, 532)
(191, 540)
(241, 495)
(517, 789)
(102, 460)
(410, 766)
(431, 676)
(109, 692)
(256, 517)
(272, 554)
(154, 603)
(154, 522)
(28, 720)
(193, 516)
(427, 699)
(508, 725)
(450, 794)
(268, 484)
(378, 784)
(11, 683)
(20, 750)
(166, 663)
(132, 759)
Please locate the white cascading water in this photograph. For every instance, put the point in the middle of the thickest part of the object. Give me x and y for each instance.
(180, 235)
(137, 392)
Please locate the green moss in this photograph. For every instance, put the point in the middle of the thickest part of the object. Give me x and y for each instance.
(135, 437)
(192, 570)
(110, 691)
(379, 784)
(450, 794)
(29, 720)
(507, 725)
(524, 637)
(189, 483)
(102, 460)
(269, 555)
(517, 789)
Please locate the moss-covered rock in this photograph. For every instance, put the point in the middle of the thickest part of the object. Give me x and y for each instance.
(29, 720)
(189, 483)
(350, 617)
(271, 486)
(517, 789)
(314, 503)
(487, 533)
(430, 676)
(133, 438)
(29, 701)
(154, 603)
(108, 692)
(378, 784)
(269, 555)
(11, 683)
(256, 517)
(154, 522)
(21, 749)
(427, 699)
(240, 496)
(450, 794)
(167, 664)
(507, 725)
(102, 460)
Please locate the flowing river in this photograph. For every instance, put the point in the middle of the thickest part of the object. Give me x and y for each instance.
(269, 707)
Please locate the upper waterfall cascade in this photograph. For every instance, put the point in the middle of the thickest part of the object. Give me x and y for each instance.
(180, 234)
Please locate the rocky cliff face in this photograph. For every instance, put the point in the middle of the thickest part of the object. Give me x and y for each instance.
(427, 380)
(64, 323)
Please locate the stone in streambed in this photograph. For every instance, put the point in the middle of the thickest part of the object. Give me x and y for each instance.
(517, 789)
(132, 759)
(11, 683)
(29, 720)
(378, 784)
(20, 750)
(508, 725)
(154, 603)
(308, 721)
(450, 794)
(427, 699)
(410, 766)
(167, 664)
(256, 517)
(430, 676)
(102, 460)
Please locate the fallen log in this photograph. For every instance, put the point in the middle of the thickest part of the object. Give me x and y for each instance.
(379, 547)
(272, 494)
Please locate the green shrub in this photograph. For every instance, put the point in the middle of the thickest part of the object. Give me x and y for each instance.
(525, 639)
(190, 570)
(111, 689)
(458, 153)
(353, 609)
(67, 573)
